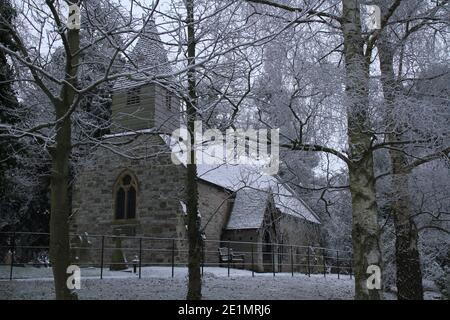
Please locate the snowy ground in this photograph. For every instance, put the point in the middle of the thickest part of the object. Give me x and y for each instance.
(157, 283)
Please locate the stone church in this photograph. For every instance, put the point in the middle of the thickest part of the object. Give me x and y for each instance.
(131, 187)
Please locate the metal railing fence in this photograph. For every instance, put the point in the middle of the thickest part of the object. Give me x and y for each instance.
(21, 250)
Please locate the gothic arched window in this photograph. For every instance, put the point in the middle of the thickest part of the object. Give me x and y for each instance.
(125, 190)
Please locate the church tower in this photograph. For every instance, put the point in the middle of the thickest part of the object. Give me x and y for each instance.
(133, 188)
(144, 100)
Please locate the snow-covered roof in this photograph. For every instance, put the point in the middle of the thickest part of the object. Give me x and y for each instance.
(238, 177)
(148, 55)
(249, 177)
(248, 210)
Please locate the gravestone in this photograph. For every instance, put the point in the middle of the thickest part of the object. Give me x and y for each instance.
(8, 258)
(118, 260)
(80, 251)
(85, 253)
(75, 244)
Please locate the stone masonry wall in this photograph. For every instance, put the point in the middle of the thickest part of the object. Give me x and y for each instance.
(158, 209)
(214, 206)
(300, 234)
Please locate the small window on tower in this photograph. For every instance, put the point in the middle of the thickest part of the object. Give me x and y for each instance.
(168, 100)
(134, 96)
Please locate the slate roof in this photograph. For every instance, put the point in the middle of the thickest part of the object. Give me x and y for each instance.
(238, 177)
(148, 55)
(248, 209)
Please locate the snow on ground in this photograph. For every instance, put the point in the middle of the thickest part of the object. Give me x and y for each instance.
(157, 283)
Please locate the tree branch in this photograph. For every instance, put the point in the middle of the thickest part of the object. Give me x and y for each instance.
(317, 148)
(296, 9)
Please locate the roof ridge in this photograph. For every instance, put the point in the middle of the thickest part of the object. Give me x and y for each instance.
(298, 197)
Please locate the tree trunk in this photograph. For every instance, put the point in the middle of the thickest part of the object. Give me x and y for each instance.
(60, 208)
(409, 273)
(365, 229)
(194, 236)
(60, 177)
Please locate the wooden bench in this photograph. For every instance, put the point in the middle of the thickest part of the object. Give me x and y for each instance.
(227, 255)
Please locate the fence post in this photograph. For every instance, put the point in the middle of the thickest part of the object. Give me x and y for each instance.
(101, 257)
(337, 263)
(203, 255)
(351, 265)
(140, 257)
(309, 267)
(13, 249)
(273, 260)
(173, 257)
(253, 263)
(324, 263)
(292, 261)
(228, 259)
(280, 257)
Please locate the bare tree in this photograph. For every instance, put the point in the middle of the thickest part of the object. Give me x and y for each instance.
(392, 44)
(194, 235)
(359, 158)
